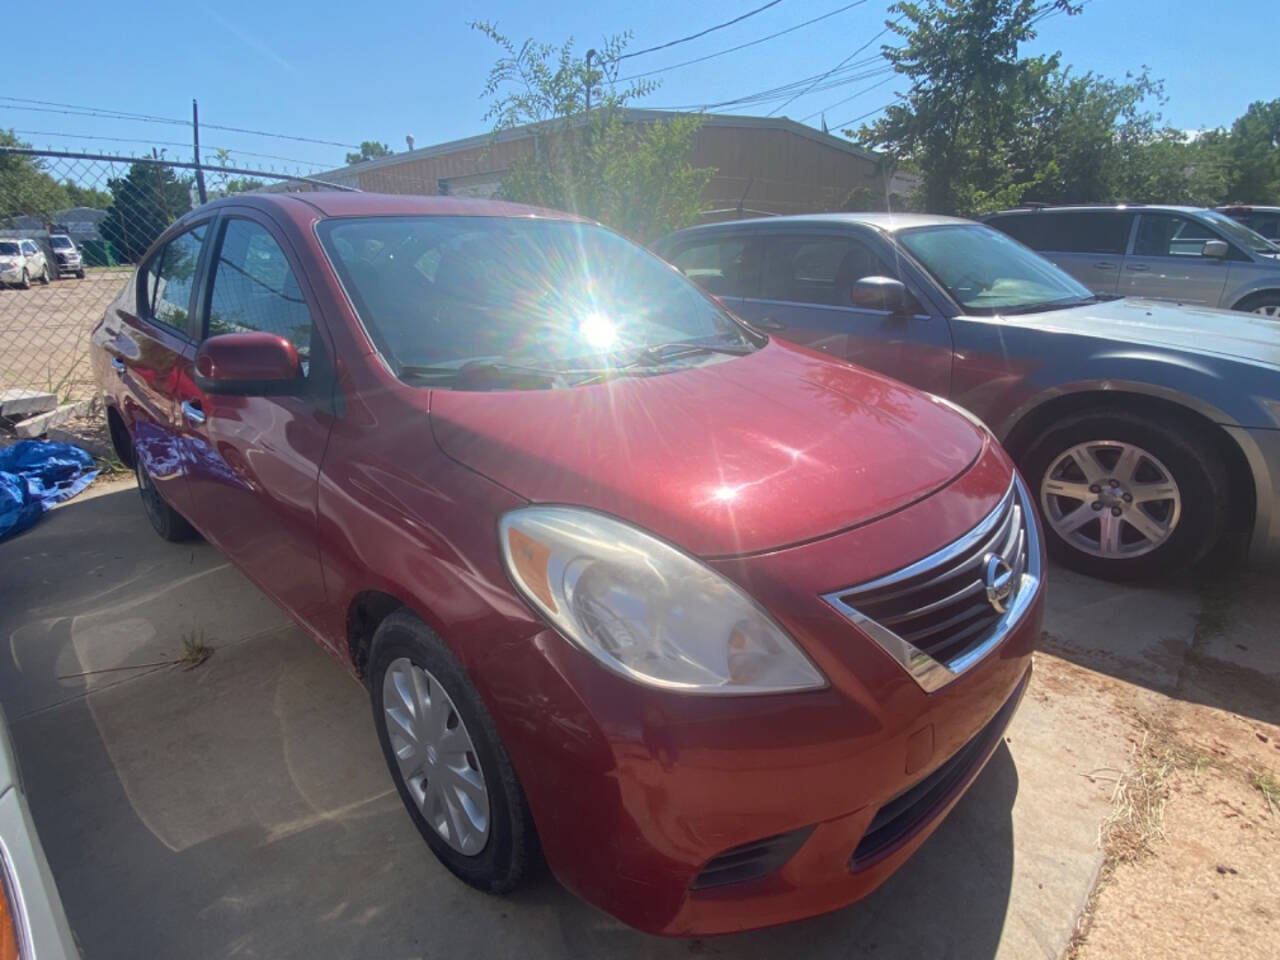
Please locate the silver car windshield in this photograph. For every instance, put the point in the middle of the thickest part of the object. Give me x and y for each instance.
(1237, 231)
(60, 243)
(988, 272)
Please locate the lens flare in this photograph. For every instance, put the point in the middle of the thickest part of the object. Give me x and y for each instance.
(598, 331)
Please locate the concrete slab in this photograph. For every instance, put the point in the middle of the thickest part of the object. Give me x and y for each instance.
(241, 809)
(18, 402)
(40, 424)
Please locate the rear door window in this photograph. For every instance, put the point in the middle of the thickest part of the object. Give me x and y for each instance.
(1086, 231)
(819, 270)
(720, 266)
(255, 289)
(171, 278)
(1026, 228)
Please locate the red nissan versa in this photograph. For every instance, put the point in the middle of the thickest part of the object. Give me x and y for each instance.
(722, 625)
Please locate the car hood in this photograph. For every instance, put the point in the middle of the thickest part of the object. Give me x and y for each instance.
(734, 456)
(1226, 333)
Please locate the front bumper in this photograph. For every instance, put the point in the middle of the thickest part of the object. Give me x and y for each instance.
(636, 791)
(11, 274)
(72, 266)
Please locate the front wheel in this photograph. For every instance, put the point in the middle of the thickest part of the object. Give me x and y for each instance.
(25, 282)
(1126, 496)
(1265, 304)
(444, 754)
(44, 275)
(79, 274)
(165, 520)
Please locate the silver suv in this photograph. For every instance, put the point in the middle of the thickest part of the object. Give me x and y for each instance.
(1181, 254)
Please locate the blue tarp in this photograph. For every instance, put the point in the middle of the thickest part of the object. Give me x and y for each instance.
(36, 474)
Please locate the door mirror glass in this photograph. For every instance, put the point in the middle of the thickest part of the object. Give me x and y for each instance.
(1215, 248)
(248, 364)
(880, 293)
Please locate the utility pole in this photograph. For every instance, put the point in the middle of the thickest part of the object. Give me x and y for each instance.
(590, 53)
(195, 136)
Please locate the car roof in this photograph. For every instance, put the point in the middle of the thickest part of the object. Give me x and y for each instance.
(1073, 207)
(886, 222)
(344, 203)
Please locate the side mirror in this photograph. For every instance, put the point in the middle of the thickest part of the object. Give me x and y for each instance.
(1215, 248)
(248, 364)
(880, 293)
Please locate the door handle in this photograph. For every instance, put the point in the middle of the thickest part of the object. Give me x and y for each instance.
(117, 365)
(1105, 266)
(191, 410)
(1137, 267)
(768, 323)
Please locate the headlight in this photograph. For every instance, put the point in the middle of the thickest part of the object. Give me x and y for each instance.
(644, 609)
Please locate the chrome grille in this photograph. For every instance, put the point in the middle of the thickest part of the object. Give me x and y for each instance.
(939, 615)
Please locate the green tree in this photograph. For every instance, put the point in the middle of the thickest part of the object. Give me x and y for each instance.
(969, 92)
(144, 202)
(78, 196)
(369, 150)
(1254, 155)
(26, 188)
(635, 177)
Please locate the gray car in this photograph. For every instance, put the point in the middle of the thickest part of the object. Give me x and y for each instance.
(1149, 432)
(1180, 254)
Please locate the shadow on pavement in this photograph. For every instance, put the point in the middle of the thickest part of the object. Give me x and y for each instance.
(241, 808)
(1210, 638)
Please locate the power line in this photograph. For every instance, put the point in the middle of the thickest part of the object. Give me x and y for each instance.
(741, 46)
(74, 110)
(852, 96)
(863, 116)
(700, 33)
(831, 71)
(162, 143)
(850, 73)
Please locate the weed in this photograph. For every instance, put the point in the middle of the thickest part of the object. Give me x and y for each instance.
(1267, 784)
(195, 650)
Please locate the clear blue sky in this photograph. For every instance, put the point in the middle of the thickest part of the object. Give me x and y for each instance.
(385, 68)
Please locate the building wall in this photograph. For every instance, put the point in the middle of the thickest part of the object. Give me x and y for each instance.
(778, 170)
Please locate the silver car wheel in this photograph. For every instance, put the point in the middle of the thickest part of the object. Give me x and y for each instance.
(1110, 499)
(1269, 310)
(437, 760)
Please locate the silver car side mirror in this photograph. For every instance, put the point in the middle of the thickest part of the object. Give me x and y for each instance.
(1215, 248)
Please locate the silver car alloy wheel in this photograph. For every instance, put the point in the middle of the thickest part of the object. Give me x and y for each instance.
(437, 759)
(1110, 499)
(1269, 310)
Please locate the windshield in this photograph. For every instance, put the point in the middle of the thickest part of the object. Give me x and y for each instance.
(1237, 231)
(60, 243)
(987, 272)
(8, 249)
(439, 293)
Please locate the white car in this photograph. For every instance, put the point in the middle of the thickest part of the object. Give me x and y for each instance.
(22, 261)
(31, 914)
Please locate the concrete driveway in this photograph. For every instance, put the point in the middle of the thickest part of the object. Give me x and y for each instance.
(241, 808)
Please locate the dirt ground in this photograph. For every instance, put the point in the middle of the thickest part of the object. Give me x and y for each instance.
(1192, 847)
(44, 331)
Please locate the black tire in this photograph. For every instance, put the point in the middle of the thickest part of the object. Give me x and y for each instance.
(165, 520)
(512, 846)
(1182, 447)
(1267, 303)
(25, 282)
(79, 274)
(44, 275)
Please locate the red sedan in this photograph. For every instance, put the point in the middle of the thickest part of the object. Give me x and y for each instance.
(721, 625)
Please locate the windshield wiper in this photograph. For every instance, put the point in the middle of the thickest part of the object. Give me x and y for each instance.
(659, 353)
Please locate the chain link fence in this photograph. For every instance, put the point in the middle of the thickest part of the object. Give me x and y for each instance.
(72, 227)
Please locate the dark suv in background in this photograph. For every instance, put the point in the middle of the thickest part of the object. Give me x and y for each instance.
(1182, 254)
(1263, 220)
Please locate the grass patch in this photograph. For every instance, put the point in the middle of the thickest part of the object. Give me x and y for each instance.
(195, 650)
(1267, 784)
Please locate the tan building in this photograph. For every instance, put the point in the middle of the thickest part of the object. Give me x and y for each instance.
(764, 165)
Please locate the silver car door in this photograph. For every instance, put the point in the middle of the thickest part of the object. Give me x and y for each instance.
(1168, 261)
